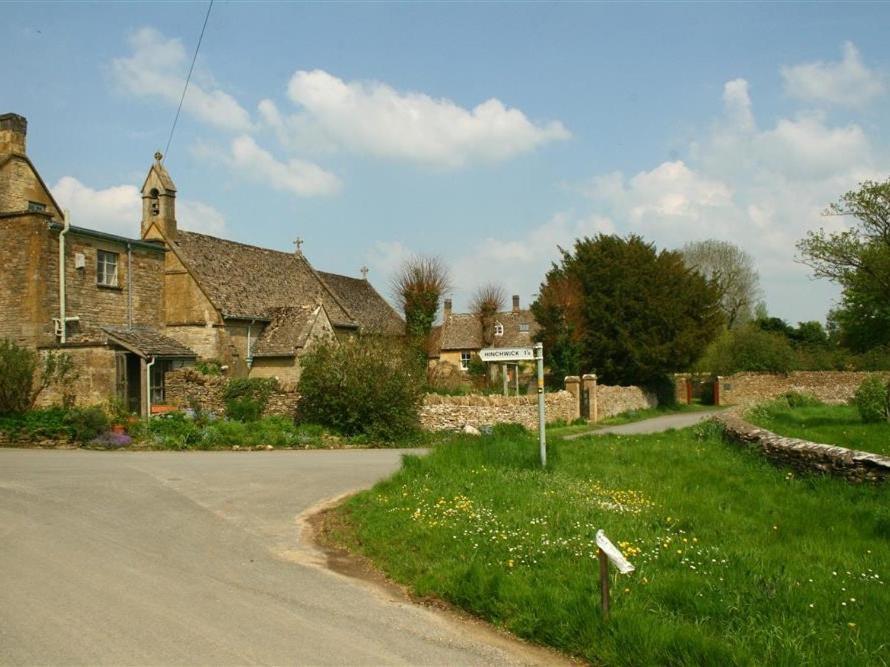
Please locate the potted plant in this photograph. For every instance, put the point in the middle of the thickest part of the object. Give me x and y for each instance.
(120, 416)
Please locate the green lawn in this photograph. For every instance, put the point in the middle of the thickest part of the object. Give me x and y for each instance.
(829, 424)
(738, 562)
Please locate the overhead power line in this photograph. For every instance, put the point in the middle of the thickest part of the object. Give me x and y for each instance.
(187, 79)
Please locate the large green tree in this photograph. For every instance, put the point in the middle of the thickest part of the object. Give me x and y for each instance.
(858, 259)
(620, 308)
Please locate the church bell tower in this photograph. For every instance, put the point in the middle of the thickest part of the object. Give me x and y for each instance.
(158, 203)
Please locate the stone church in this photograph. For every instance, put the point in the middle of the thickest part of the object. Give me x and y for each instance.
(128, 310)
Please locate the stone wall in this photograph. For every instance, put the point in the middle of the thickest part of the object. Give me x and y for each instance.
(441, 413)
(187, 387)
(615, 400)
(7, 440)
(597, 402)
(855, 466)
(752, 388)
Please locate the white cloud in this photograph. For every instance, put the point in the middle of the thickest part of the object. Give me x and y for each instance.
(157, 67)
(375, 119)
(386, 257)
(196, 216)
(781, 180)
(737, 102)
(297, 176)
(118, 209)
(846, 83)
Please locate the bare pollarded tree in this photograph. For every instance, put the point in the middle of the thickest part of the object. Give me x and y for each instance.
(418, 287)
(488, 300)
(731, 270)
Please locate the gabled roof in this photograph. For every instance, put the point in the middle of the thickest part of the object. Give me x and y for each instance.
(365, 304)
(463, 331)
(161, 172)
(287, 331)
(247, 282)
(147, 342)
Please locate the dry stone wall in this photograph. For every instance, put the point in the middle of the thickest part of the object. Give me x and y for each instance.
(855, 466)
(442, 413)
(612, 401)
(188, 388)
(39, 442)
(753, 388)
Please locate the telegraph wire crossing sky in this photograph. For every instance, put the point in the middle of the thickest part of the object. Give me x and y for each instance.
(487, 134)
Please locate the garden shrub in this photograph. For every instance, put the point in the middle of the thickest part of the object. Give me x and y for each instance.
(365, 385)
(20, 382)
(872, 400)
(17, 368)
(797, 399)
(246, 398)
(81, 424)
(86, 423)
(209, 366)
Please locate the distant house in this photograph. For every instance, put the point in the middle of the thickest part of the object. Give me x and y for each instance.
(127, 310)
(460, 336)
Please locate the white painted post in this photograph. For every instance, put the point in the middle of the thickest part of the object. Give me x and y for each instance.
(542, 436)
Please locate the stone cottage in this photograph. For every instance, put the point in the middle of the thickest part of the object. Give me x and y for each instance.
(460, 336)
(97, 296)
(129, 310)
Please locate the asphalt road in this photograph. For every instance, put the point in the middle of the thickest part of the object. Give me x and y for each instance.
(195, 558)
(653, 425)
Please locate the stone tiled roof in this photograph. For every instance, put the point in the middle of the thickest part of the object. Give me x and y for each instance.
(463, 331)
(147, 342)
(365, 304)
(287, 331)
(247, 282)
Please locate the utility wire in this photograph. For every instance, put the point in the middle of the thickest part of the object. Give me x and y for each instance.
(187, 79)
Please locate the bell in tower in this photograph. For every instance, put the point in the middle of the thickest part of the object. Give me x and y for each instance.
(158, 203)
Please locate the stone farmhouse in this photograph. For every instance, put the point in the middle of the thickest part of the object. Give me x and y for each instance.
(127, 310)
(460, 336)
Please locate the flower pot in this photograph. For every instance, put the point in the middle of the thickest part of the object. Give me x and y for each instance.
(118, 429)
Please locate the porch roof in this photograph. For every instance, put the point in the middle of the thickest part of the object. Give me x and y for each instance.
(148, 342)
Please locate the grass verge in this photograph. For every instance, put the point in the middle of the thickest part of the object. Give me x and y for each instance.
(733, 566)
(828, 424)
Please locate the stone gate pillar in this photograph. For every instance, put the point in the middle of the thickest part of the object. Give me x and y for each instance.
(573, 386)
(588, 391)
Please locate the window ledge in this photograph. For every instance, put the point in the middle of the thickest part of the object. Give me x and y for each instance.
(114, 288)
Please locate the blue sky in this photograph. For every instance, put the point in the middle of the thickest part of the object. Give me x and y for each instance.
(485, 133)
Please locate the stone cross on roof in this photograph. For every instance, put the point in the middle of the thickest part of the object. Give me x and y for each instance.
(364, 271)
(299, 244)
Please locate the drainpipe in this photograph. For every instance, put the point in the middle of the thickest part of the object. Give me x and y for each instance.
(62, 323)
(148, 387)
(129, 286)
(249, 355)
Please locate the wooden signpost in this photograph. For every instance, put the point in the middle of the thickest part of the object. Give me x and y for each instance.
(536, 353)
(606, 551)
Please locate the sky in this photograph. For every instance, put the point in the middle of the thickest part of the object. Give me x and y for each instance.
(488, 134)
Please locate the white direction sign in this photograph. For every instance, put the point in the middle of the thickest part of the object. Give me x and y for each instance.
(506, 354)
(614, 554)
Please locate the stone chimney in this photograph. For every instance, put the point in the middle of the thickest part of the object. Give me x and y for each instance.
(515, 303)
(446, 309)
(13, 129)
